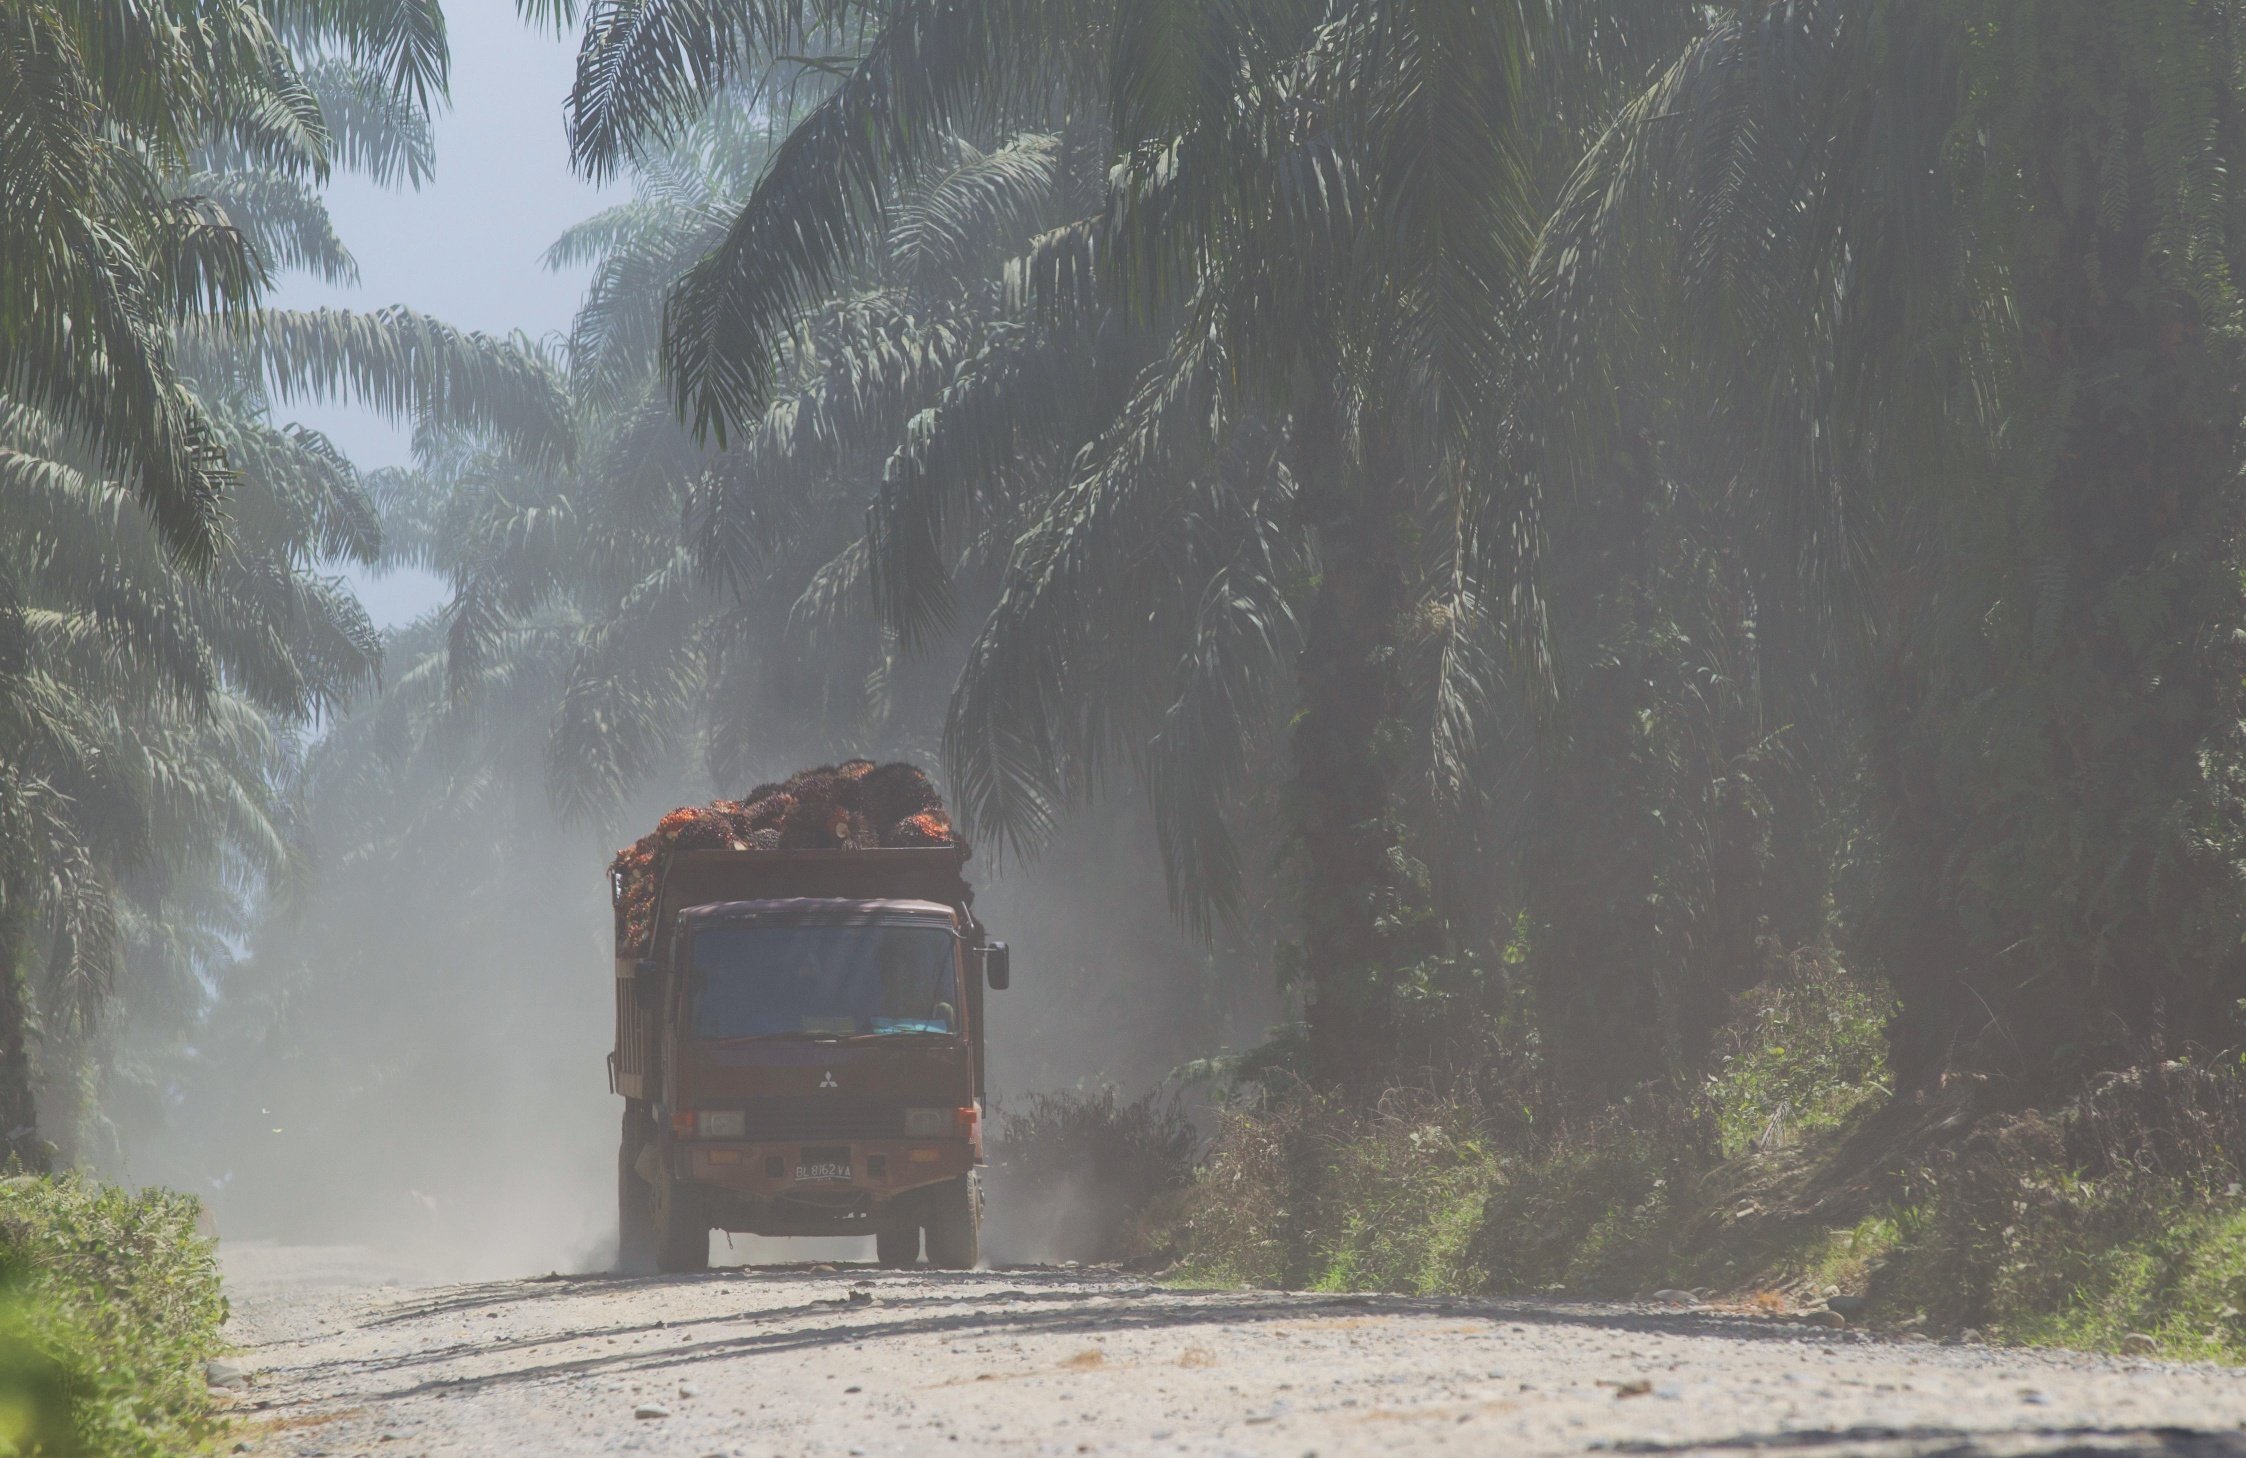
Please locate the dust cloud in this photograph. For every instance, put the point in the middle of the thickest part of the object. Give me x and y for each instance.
(410, 1055)
(412, 1065)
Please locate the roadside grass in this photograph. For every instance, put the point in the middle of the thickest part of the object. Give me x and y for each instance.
(2123, 1213)
(1409, 1190)
(109, 1307)
(1415, 1196)
(1791, 1176)
(1430, 1193)
(2180, 1282)
(1848, 1259)
(2183, 1284)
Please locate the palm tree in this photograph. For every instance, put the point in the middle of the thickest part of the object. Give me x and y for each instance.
(158, 655)
(1316, 231)
(2008, 464)
(99, 109)
(745, 608)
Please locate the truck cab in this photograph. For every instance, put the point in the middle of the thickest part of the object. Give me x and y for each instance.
(800, 1051)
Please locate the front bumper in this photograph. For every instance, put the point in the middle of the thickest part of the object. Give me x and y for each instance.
(879, 1168)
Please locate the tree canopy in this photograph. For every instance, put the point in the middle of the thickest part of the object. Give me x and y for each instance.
(1556, 508)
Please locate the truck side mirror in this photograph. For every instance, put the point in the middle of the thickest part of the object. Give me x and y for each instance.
(998, 965)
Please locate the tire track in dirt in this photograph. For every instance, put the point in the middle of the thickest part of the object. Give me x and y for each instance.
(800, 1360)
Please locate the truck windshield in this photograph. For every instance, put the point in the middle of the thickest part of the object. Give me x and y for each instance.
(838, 981)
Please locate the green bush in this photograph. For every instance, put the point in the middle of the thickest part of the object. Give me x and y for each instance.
(2120, 1212)
(1427, 1193)
(109, 1307)
(1243, 1220)
(1594, 1214)
(38, 1390)
(1300, 1192)
(1805, 1049)
(1076, 1173)
(1409, 1188)
(1786, 1172)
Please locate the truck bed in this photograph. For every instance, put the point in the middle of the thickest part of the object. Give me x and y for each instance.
(704, 877)
(895, 873)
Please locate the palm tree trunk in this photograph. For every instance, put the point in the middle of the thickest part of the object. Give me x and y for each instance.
(1348, 685)
(19, 1123)
(1914, 930)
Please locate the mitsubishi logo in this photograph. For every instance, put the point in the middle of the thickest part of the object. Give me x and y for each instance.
(826, 1080)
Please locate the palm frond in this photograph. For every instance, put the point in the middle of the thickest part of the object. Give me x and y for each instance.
(629, 690)
(283, 220)
(403, 364)
(823, 200)
(1040, 709)
(402, 41)
(646, 66)
(1018, 403)
(372, 130)
(951, 229)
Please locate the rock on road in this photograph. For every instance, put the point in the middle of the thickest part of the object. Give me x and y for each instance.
(851, 1360)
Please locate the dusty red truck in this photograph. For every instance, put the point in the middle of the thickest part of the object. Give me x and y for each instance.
(799, 1045)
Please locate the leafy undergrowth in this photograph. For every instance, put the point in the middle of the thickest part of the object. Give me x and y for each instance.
(109, 1307)
(1416, 1196)
(1077, 1175)
(1430, 1193)
(2123, 1212)
(1791, 1176)
(1807, 1050)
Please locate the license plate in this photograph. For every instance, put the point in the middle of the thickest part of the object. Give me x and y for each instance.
(823, 1164)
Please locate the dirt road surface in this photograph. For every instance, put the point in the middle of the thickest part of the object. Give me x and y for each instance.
(350, 1359)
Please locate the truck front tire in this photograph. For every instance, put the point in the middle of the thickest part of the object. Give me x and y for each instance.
(635, 1215)
(682, 1227)
(955, 1224)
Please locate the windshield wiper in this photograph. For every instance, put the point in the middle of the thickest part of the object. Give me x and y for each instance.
(805, 1036)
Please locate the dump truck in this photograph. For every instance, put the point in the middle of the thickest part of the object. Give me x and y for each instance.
(800, 1050)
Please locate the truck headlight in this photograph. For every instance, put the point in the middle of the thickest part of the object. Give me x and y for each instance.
(721, 1124)
(929, 1124)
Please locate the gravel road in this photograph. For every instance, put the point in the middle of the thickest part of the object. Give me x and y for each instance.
(351, 1357)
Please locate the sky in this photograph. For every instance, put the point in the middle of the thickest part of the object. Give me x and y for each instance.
(466, 247)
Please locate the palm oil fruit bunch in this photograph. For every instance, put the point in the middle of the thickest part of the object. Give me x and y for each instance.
(855, 805)
(634, 867)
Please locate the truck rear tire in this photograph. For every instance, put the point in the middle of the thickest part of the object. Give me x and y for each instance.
(682, 1227)
(635, 1214)
(898, 1247)
(955, 1224)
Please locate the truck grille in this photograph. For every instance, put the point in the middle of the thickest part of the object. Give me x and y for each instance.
(824, 1118)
